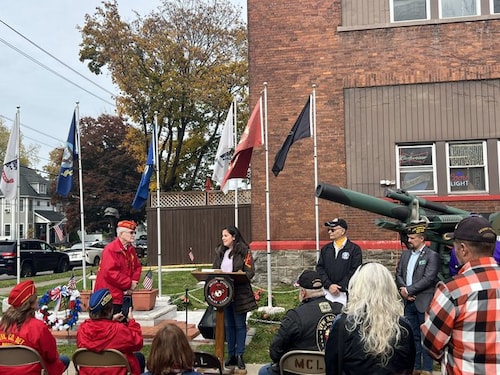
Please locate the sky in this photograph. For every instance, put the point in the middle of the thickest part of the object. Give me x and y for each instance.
(45, 90)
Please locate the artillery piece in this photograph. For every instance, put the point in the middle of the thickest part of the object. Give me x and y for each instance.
(410, 209)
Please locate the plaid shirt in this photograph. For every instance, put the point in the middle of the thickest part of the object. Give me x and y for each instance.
(463, 320)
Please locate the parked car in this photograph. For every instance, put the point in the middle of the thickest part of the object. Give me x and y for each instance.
(93, 253)
(141, 246)
(36, 256)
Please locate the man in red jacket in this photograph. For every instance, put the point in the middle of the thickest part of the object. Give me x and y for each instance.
(107, 331)
(120, 269)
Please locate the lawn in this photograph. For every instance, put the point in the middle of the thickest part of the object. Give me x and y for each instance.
(174, 284)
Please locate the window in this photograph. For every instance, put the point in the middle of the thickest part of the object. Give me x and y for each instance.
(458, 8)
(466, 167)
(6, 230)
(416, 168)
(495, 6)
(408, 10)
(21, 230)
(21, 205)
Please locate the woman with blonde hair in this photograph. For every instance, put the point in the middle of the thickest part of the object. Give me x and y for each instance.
(371, 336)
(170, 353)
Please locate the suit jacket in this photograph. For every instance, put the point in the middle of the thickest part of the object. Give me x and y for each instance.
(424, 276)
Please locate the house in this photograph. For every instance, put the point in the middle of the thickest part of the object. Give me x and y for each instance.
(37, 215)
(407, 96)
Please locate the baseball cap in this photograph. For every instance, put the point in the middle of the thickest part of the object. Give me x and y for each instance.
(473, 228)
(336, 222)
(310, 279)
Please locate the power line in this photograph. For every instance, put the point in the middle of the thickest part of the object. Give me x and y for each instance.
(53, 71)
(58, 60)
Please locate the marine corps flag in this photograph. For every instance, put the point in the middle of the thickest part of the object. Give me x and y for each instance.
(70, 154)
(301, 129)
(252, 137)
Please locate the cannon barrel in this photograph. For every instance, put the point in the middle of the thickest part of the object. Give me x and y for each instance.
(363, 201)
(406, 198)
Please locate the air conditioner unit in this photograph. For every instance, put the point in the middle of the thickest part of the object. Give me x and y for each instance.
(7, 209)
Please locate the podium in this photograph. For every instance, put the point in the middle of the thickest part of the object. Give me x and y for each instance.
(219, 292)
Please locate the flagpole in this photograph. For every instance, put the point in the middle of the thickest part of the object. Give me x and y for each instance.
(18, 195)
(80, 183)
(235, 135)
(316, 199)
(268, 227)
(158, 216)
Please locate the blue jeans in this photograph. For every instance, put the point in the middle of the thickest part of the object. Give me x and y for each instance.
(269, 369)
(65, 359)
(422, 359)
(235, 327)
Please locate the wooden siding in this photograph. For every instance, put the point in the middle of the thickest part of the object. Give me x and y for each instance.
(198, 228)
(379, 118)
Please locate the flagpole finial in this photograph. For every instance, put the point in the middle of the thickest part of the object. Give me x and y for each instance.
(265, 83)
(18, 107)
(313, 85)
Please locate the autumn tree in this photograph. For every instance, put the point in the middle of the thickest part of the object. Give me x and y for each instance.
(109, 174)
(184, 62)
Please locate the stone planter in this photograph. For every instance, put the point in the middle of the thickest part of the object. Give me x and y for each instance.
(144, 300)
(84, 299)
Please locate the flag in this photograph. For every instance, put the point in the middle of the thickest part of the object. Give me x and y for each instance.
(70, 153)
(224, 151)
(301, 129)
(141, 196)
(147, 283)
(59, 232)
(72, 281)
(8, 183)
(251, 137)
(191, 254)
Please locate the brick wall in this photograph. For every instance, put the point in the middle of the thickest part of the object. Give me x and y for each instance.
(295, 44)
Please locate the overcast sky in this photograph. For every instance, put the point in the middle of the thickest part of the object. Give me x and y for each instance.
(45, 90)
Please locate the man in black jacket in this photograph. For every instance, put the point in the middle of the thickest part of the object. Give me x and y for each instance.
(305, 327)
(338, 260)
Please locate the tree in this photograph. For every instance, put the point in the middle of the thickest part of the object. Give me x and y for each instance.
(110, 173)
(184, 63)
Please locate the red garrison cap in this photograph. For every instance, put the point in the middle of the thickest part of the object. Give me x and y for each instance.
(129, 224)
(21, 292)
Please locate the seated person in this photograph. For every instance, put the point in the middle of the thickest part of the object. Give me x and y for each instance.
(20, 327)
(103, 330)
(170, 353)
(305, 327)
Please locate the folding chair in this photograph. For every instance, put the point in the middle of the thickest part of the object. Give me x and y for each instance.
(303, 362)
(103, 360)
(20, 355)
(207, 363)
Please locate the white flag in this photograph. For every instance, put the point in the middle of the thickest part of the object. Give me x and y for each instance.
(224, 151)
(8, 183)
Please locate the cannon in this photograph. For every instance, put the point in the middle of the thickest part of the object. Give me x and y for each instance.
(409, 210)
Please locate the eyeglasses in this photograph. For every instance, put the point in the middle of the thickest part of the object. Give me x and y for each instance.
(332, 229)
(131, 232)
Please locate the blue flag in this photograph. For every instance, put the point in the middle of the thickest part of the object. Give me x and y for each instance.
(141, 195)
(70, 153)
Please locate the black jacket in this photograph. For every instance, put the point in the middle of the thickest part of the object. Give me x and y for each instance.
(244, 299)
(338, 270)
(305, 327)
(356, 362)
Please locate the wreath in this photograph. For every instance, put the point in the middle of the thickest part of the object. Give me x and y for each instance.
(67, 305)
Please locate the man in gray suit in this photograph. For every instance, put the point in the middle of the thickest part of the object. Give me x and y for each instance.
(416, 277)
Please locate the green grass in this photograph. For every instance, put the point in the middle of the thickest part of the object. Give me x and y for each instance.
(174, 284)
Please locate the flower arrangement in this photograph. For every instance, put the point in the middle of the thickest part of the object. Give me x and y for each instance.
(66, 309)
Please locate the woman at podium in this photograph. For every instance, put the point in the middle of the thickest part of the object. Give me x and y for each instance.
(234, 255)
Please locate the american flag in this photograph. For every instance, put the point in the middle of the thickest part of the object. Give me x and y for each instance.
(147, 283)
(59, 232)
(72, 282)
(190, 254)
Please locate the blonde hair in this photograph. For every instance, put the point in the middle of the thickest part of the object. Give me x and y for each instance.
(375, 307)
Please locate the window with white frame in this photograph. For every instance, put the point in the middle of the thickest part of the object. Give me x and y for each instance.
(495, 6)
(416, 168)
(467, 167)
(458, 8)
(21, 205)
(409, 10)
(21, 230)
(6, 230)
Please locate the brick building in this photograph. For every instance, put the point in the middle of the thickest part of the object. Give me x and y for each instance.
(407, 91)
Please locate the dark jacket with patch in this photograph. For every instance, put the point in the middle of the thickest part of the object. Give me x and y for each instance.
(244, 299)
(305, 327)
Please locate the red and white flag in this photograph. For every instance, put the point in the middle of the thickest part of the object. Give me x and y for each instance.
(59, 232)
(8, 181)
